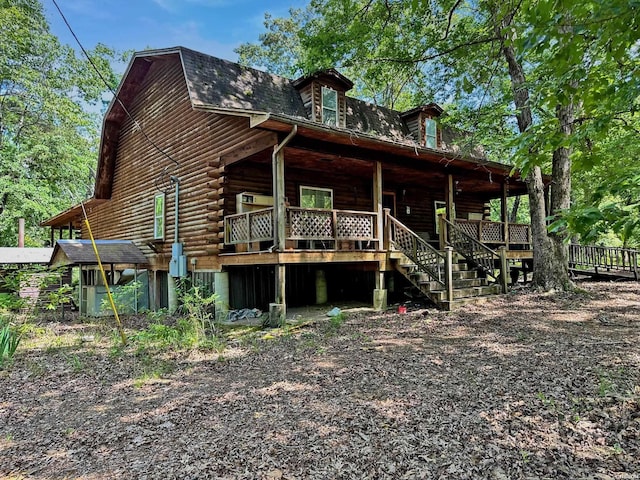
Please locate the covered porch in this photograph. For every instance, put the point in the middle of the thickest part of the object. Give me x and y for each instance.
(315, 201)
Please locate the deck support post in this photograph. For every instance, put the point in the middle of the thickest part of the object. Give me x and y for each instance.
(221, 289)
(380, 292)
(377, 202)
(172, 291)
(448, 273)
(504, 277)
(278, 309)
(504, 211)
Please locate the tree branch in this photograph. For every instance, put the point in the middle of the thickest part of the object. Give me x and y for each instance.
(446, 32)
(436, 55)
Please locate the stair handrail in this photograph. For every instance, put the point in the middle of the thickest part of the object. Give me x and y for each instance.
(473, 250)
(419, 251)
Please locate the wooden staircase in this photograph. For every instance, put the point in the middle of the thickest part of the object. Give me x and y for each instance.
(468, 286)
(449, 279)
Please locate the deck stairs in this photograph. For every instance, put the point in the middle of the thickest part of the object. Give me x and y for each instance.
(468, 285)
(451, 278)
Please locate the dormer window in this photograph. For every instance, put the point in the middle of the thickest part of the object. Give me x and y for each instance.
(422, 123)
(329, 106)
(430, 133)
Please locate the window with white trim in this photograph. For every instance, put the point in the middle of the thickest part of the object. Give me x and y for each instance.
(329, 106)
(314, 197)
(430, 133)
(158, 216)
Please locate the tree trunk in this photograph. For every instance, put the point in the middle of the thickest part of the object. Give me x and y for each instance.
(561, 193)
(513, 215)
(550, 259)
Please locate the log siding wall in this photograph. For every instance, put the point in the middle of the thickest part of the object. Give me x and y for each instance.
(194, 139)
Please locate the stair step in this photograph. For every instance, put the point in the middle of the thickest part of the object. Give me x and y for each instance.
(463, 274)
(459, 283)
(456, 267)
(445, 305)
(458, 293)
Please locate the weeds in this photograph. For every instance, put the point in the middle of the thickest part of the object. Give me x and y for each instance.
(9, 341)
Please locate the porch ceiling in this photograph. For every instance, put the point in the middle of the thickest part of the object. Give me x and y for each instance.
(398, 170)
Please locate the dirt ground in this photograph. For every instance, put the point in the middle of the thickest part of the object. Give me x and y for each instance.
(525, 386)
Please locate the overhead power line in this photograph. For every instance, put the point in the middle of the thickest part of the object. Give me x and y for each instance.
(113, 92)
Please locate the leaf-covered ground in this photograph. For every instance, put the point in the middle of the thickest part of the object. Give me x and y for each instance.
(526, 386)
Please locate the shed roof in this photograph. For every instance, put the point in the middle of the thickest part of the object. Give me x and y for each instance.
(75, 252)
(19, 256)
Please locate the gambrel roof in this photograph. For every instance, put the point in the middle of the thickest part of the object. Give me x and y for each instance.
(274, 103)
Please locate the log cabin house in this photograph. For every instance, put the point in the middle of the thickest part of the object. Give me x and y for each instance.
(281, 192)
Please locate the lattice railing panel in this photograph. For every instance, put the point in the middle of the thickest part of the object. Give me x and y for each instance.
(261, 223)
(355, 226)
(491, 232)
(470, 228)
(310, 224)
(237, 230)
(249, 227)
(518, 233)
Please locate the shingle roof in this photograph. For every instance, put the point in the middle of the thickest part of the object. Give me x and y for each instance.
(18, 256)
(73, 252)
(216, 82)
(219, 83)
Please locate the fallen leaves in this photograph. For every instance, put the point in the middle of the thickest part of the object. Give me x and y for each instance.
(525, 386)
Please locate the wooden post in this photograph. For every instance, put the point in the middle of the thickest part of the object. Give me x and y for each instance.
(377, 202)
(278, 310)
(448, 272)
(449, 191)
(387, 230)
(278, 199)
(502, 251)
(504, 210)
(444, 228)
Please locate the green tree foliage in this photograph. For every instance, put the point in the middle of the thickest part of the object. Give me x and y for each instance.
(48, 138)
(540, 82)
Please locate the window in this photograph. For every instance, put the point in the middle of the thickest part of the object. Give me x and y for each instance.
(312, 197)
(158, 217)
(329, 106)
(430, 133)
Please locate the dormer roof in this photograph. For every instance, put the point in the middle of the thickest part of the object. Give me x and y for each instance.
(331, 75)
(430, 108)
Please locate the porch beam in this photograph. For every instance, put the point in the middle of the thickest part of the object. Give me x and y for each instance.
(249, 147)
(377, 202)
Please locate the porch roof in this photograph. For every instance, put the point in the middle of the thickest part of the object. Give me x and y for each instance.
(72, 215)
(20, 256)
(76, 252)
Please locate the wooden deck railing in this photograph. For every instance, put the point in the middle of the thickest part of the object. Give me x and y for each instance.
(609, 259)
(319, 224)
(476, 252)
(309, 224)
(428, 259)
(493, 232)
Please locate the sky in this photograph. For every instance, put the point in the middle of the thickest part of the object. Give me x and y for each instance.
(214, 27)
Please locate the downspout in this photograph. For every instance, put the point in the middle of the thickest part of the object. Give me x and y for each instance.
(278, 196)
